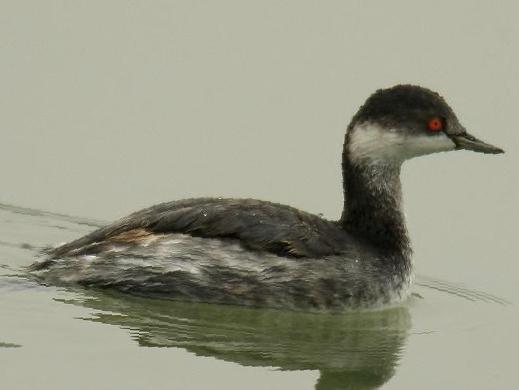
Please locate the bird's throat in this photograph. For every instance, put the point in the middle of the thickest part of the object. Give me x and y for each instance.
(373, 204)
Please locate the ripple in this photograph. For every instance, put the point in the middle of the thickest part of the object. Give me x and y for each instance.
(57, 216)
(9, 345)
(459, 291)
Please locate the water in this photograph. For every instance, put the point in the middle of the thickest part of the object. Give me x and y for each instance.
(445, 336)
(107, 107)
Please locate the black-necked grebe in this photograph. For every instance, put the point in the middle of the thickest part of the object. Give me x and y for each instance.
(252, 252)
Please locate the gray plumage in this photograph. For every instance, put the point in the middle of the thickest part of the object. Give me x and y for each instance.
(257, 225)
(239, 251)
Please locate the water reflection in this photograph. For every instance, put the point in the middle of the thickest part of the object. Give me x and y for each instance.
(357, 350)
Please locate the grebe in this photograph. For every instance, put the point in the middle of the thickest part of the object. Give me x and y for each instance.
(251, 252)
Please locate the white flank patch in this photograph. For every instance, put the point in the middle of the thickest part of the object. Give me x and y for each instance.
(372, 142)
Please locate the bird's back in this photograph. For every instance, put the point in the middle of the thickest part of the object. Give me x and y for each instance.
(256, 225)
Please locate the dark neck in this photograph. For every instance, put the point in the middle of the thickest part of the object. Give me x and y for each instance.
(373, 204)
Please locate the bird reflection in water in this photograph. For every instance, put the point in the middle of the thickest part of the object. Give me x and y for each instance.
(352, 350)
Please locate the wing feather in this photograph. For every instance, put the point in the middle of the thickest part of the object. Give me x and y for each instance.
(258, 225)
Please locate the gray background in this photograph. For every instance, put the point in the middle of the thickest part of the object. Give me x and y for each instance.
(110, 106)
(107, 107)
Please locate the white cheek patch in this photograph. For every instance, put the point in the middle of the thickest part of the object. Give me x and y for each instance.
(372, 142)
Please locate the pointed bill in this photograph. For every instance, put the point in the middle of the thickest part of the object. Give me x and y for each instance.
(469, 142)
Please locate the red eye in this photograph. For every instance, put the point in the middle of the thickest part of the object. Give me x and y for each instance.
(435, 124)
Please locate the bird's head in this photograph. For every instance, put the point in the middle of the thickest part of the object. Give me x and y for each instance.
(406, 121)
